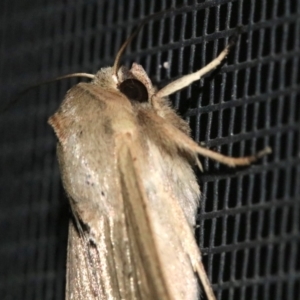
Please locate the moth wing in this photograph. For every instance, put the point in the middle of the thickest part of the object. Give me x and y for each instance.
(91, 270)
(107, 259)
(137, 212)
(119, 260)
(140, 232)
(140, 261)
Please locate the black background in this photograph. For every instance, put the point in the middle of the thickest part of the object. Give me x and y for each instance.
(249, 218)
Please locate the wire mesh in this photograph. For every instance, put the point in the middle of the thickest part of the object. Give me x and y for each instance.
(249, 218)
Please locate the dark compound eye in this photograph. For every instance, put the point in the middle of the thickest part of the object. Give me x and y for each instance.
(134, 90)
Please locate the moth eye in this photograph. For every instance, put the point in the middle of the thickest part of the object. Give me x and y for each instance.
(134, 90)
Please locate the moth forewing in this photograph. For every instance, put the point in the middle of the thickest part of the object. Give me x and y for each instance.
(126, 160)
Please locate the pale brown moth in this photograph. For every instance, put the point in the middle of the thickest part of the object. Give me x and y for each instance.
(126, 162)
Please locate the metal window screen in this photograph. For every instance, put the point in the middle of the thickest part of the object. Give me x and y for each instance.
(249, 218)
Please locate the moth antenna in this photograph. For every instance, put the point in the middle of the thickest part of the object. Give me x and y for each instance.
(86, 75)
(14, 101)
(135, 32)
(116, 65)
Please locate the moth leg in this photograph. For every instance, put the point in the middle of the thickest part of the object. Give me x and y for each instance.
(190, 78)
(205, 281)
(233, 161)
(184, 142)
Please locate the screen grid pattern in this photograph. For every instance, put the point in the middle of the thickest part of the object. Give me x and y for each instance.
(249, 218)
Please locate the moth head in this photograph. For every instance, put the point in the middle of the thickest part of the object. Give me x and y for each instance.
(134, 90)
(135, 84)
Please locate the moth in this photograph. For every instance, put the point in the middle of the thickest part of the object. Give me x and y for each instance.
(126, 161)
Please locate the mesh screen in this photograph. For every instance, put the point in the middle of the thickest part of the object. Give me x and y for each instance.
(249, 218)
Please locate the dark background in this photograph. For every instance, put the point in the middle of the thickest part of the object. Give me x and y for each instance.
(249, 218)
